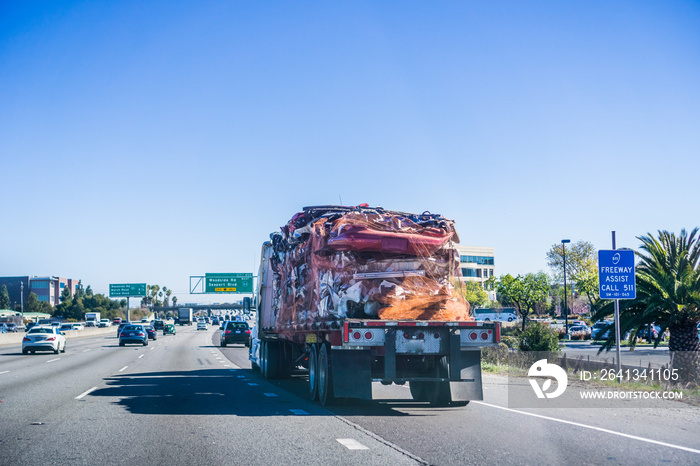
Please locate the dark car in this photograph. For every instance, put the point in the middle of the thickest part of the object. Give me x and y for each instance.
(133, 333)
(121, 327)
(29, 326)
(151, 332)
(235, 332)
(158, 324)
(12, 327)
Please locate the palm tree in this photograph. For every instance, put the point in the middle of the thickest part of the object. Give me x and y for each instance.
(668, 295)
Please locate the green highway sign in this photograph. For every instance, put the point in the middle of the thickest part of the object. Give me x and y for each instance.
(228, 283)
(125, 290)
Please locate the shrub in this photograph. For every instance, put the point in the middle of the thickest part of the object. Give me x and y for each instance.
(538, 337)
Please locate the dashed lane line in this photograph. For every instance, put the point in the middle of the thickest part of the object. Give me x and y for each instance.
(85, 393)
(122, 369)
(351, 444)
(52, 360)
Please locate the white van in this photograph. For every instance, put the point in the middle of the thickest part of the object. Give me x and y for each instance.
(506, 314)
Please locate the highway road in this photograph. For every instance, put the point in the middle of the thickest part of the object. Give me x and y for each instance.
(184, 400)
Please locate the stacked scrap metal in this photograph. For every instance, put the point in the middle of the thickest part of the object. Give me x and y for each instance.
(332, 262)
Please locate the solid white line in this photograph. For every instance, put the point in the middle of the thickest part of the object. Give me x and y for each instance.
(123, 369)
(4, 372)
(351, 444)
(85, 393)
(141, 356)
(52, 360)
(585, 426)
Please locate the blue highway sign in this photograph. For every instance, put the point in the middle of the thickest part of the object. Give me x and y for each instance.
(616, 274)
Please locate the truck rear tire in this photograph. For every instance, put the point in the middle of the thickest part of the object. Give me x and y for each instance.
(269, 358)
(418, 392)
(438, 393)
(313, 372)
(325, 376)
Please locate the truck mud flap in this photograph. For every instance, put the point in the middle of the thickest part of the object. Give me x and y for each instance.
(352, 374)
(470, 372)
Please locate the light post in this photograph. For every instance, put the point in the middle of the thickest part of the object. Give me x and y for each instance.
(566, 310)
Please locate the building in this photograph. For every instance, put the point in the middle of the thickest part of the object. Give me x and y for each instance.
(47, 289)
(476, 262)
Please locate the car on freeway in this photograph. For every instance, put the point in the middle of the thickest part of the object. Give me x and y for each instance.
(169, 329)
(235, 332)
(77, 326)
(144, 320)
(42, 338)
(121, 327)
(133, 333)
(151, 332)
(201, 325)
(116, 321)
(65, 327)
(29, 326)
(12, 327)
(158, 324)
(104, 323)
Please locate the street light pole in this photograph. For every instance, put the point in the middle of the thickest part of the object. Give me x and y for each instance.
(566, 310)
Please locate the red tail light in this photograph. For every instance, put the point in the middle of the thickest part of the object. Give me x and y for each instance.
(26, 339)
(227, 332)
(141, 334)
(248, 332)
(51, 339)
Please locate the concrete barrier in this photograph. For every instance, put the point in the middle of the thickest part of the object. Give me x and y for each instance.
(9, 339)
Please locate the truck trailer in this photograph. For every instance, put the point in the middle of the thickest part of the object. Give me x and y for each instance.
(92, 319)
(356, 295)
(184, 315)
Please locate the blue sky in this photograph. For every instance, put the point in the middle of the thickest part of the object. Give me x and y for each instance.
(154, 141)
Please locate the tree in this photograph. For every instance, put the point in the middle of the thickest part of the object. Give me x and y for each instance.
(474, 294)
(33, 304)
(65, 294)
(668, 295)
(523, 292)
(174, 300)
(4, 298)
(581, 267)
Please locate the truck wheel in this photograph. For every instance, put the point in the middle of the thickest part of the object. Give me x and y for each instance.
(325, 377)
(438, 393)
(418, 391)
(313, 374)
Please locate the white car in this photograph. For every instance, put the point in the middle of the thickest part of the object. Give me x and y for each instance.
(201, 325)
(104, 323)
(44, 339)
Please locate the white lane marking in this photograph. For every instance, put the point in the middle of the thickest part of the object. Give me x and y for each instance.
(351, 444)
(151, 349)
(141, 356)
(299, 412)
(86, 392)
(4, 372)
(85, 351)
(123, 369)
(270, 394)
(52, 360)
(586, 426)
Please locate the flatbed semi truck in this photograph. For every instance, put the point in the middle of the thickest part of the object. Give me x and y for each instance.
(356, 295)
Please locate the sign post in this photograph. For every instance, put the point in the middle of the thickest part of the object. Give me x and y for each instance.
(616, 281)
(127, 290)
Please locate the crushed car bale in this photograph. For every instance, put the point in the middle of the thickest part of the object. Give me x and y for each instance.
(333, 262)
